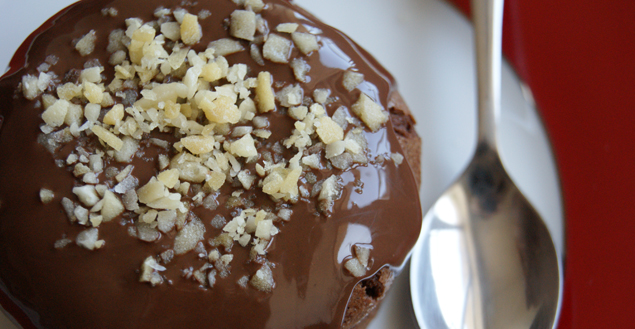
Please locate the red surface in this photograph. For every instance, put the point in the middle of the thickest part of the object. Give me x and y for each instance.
(578, 57)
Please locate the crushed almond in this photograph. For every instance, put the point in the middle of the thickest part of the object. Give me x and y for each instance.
(191, 32)
(307, 43)
(277, 49)
(86, 45)
(46, 195)
(243, 24)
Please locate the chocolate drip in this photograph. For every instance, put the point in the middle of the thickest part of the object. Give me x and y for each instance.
(77, 288)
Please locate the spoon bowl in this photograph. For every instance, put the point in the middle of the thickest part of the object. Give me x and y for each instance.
(486, 259)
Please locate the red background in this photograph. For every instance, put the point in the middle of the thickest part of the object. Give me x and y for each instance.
(578, 57)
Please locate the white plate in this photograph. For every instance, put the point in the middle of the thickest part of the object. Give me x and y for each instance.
(427, 45)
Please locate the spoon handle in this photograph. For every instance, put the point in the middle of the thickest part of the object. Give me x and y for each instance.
(487, 16)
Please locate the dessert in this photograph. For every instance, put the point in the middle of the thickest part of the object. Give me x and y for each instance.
(172, 164)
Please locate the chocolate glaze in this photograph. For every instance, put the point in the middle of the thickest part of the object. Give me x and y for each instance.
(77, 288)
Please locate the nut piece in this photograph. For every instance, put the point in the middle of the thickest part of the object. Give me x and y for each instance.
(171, 30)
(114, 116)
(86, 45)
(331, 191)
(152, 191)
(218, 110)
(62, 243)
(264, 93)
(334, 149)
(169, 177)
(112, 207)
(166, 220)
(370, 112)
(150, 271)
(127, 151)
(93, 92)
(108, 137)
(362, 254)
(306, 42)
(91, 112)
(211, 72)
(188, 237)
(191, 32)
(329, 131)
(69, 90)
(54, 115)
(300, 69)
(224, 47)
(277, 49)
(355, 267)
(86, 194)
(216, 180)
(290, 95)
(255, 5)
(287, 27)
(244, 147)
(352, 80)
(298, 112)
(243, 25)
(30, 87)
(397, 158)
(89, 239)
(285, 214)
(46, 195)
(198, 144)
(263, 279)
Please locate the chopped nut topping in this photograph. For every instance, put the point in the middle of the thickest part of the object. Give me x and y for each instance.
(188, 237)
(244, 147)
(191, 32)
(112, 207)
(150, 271)
(208, 130)
(263, 279)
(46, 196)
(357, 266)
(255, 5)
(370, 112)
(287, 27)
(87, 195)
(89, 239)
(114, 116)
(108, 137)
(224, 47)
(171, 30)
(300, 69)
(198, 144)
(243, 24)
(86, 45)
(264, 92)
(277, 49)
(55, 114)
(397, 158)
(329, 131)
(306, 42)
(352, 80)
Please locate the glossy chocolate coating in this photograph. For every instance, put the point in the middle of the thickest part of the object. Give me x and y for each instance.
(77, 288)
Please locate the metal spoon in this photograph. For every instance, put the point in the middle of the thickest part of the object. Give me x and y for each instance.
(487, 260)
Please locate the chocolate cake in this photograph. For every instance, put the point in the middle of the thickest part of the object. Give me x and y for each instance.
(177, 164)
